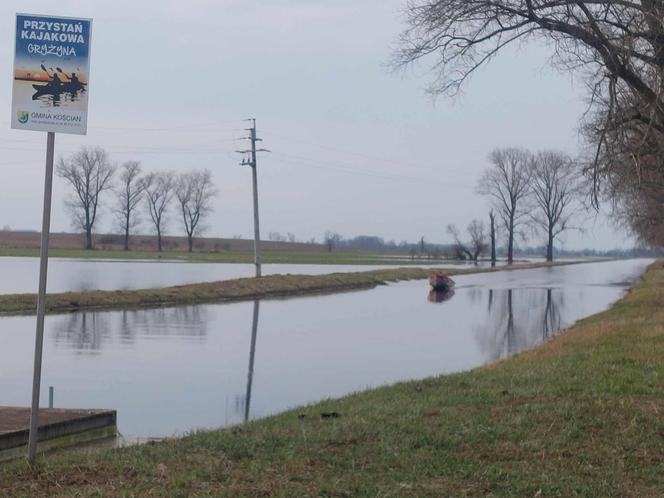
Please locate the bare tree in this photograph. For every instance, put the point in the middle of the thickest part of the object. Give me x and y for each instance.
(158, 188)
(474, 248)
(129, 193)
(331, 239)
(556, 190)
(506, 183)
(461, 250)
(89, 172)
(616, 47)
(194, 191)
(492, 235)
(477, 233)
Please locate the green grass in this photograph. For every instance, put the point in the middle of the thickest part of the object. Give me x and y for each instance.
(242, 289)
(582, 415)
(268, 256)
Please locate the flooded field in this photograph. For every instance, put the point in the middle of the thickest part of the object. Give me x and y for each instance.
(168, 371)
(20, 275)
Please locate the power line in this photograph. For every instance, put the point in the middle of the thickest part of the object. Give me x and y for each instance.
(351, 169)
(353, 153)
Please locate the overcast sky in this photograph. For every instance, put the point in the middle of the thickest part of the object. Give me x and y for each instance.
(356, 148)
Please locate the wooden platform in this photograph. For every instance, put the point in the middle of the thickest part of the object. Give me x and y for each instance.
(58, 428)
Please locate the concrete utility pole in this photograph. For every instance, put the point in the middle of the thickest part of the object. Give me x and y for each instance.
(252, 162)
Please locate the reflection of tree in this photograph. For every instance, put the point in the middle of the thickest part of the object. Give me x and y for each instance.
(551, 319)
(517, 319)
(89, 330)
(84, 331)
(127, 331)
(475, 294)
(243, 405)
(187, 321)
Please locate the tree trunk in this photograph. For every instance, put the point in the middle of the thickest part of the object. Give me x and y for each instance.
(88, 230)
(190, 242)
(549, 247)
(158, 241)
(126, 235)
(510, 243)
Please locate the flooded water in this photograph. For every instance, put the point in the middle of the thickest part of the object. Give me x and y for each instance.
(20, 275)
(168, 371)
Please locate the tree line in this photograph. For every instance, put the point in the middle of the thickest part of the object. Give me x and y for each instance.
(615, 48)
(93, 178)
(538, 192)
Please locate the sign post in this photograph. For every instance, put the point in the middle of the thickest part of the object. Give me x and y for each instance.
(50, 93)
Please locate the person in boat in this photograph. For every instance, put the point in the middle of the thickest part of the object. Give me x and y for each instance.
(55, 80)
(73, 79)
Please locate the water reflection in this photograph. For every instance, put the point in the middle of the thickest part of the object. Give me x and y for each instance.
(83, 333)
(57, 98)
(438, 296)
(517, 319)
(244, 406)
(89, 332)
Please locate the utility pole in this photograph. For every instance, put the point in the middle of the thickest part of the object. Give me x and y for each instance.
(252, 162)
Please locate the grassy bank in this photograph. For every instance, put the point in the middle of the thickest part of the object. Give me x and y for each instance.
(582, 415)
(271, 286)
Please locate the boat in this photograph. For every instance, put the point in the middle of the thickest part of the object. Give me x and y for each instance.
(440, 281)
(50, 89)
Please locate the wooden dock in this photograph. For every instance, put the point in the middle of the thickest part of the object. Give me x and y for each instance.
(58, 428)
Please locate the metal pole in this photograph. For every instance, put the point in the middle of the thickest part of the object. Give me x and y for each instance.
(254, 177)
(252, 355)
(41, 299)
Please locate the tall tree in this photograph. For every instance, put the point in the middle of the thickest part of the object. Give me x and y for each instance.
(158, 188)
(506, 183)
(616, 47)
(556, 190)
(194, 191)
(89, 172)
(129, 193)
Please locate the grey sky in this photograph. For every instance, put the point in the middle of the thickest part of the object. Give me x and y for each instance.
(356, 148)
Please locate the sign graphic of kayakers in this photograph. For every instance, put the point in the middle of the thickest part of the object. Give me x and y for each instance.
(51, 74)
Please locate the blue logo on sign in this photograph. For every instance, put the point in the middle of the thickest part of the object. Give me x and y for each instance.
(23, 117)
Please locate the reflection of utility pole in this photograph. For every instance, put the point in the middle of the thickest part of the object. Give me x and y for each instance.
(252, 162)
(252, 354)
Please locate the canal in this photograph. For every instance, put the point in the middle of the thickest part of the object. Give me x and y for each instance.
(171, 370)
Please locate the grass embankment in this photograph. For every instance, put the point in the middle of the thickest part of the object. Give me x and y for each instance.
(582, 415)
(223, 291)
(231, 256)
